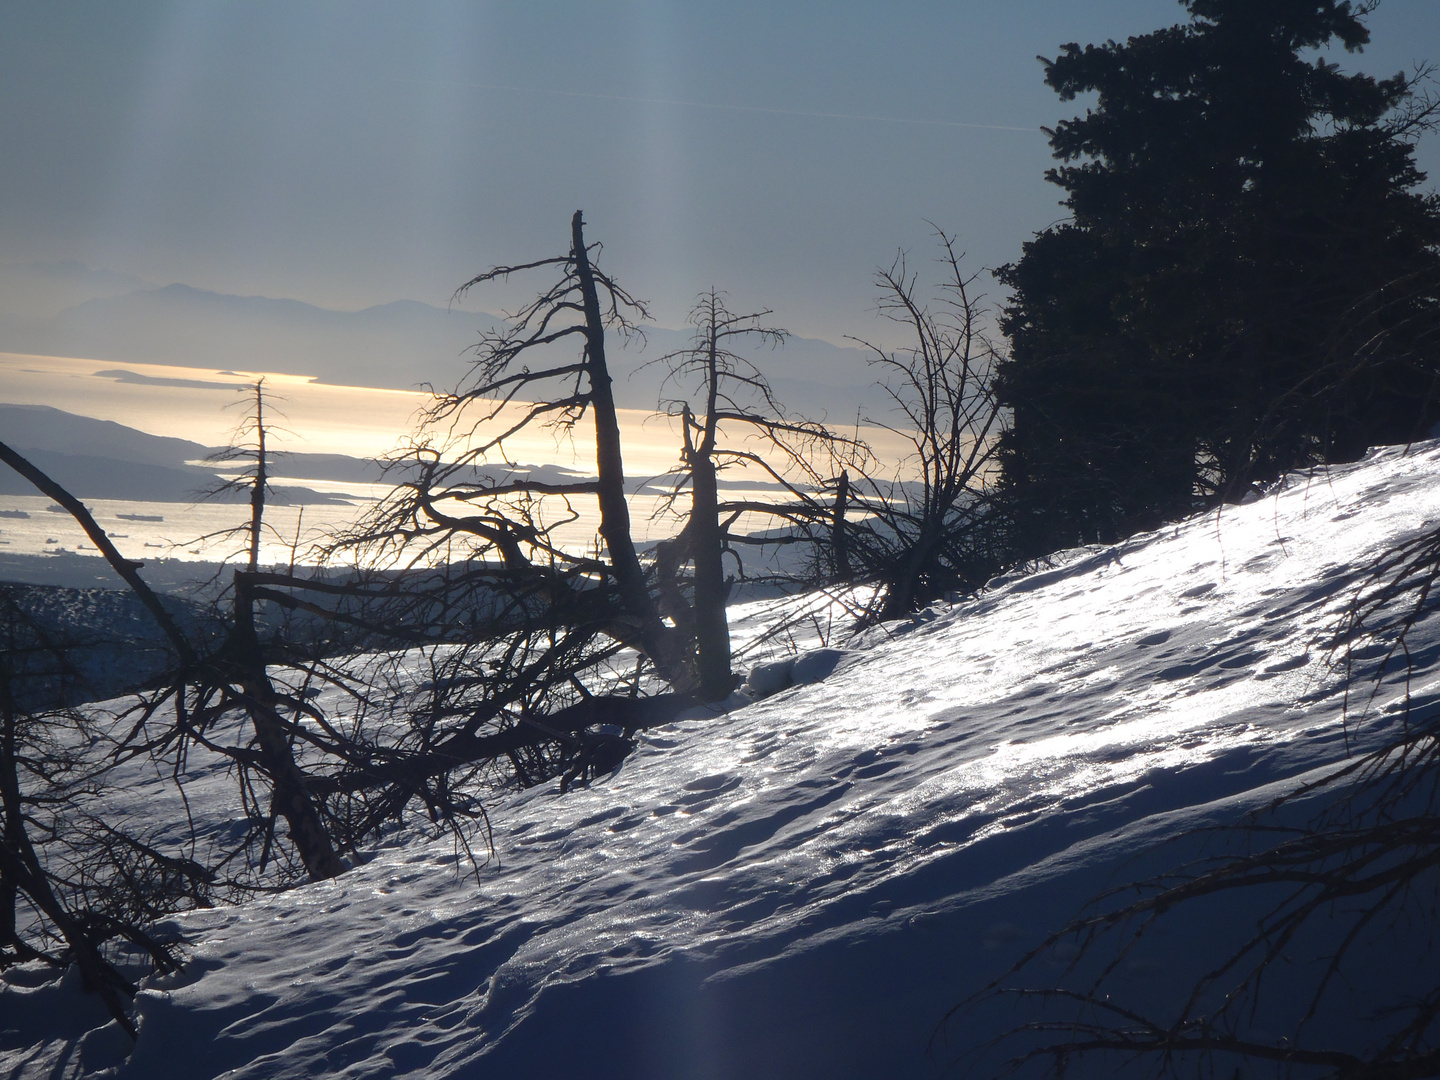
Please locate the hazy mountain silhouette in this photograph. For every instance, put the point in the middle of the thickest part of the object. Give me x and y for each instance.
(399, 345)
(394, 345)
(100, 459)
(39, 427)
(87, 476)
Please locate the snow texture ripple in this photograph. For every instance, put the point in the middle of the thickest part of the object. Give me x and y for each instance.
(802, 887)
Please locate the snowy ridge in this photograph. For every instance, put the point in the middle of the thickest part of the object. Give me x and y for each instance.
(803, 887)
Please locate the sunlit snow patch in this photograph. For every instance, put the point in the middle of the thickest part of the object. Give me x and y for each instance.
(801, 888)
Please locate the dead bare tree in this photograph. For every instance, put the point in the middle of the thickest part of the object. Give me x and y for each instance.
(250, 449)
(71, 886)
(204, 689)
(453, 502)
(532, 645)
(736, 410)
(331, 777)
(922, 533)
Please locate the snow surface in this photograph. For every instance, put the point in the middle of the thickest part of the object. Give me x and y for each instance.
(803, 887)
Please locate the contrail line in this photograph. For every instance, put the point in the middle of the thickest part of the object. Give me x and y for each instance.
(725, 108)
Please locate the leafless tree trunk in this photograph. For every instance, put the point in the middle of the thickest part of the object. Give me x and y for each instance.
(292, 800)
(291, 797)
(614, 509)
(735, 394)
(262, 476)
(670, 654)
(451, 497)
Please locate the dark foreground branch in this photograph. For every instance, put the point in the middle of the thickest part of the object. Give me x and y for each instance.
(467, 748)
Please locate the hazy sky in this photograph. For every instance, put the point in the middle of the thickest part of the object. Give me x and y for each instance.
(354, 153)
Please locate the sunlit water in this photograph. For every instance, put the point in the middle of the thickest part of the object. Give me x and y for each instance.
(205, 406)
(212, 532)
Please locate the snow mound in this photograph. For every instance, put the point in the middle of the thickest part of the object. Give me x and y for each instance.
(803, 887)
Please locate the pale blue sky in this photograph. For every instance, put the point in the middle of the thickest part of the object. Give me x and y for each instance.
(354, 153)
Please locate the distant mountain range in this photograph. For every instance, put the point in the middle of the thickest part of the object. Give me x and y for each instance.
(39, 428)
(100, 459)
(395, 345)
(398, 345)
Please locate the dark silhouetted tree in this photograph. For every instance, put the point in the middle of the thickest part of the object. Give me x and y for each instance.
(456, 504)
(250, 449)
(729, 417)
(929, 532)
(1249, 279)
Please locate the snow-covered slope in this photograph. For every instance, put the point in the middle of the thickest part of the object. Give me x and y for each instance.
(803, 887)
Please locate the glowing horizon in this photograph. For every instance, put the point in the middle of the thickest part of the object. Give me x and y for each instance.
(205, 406)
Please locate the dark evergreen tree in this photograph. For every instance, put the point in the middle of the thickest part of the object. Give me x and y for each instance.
(1248, 282)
